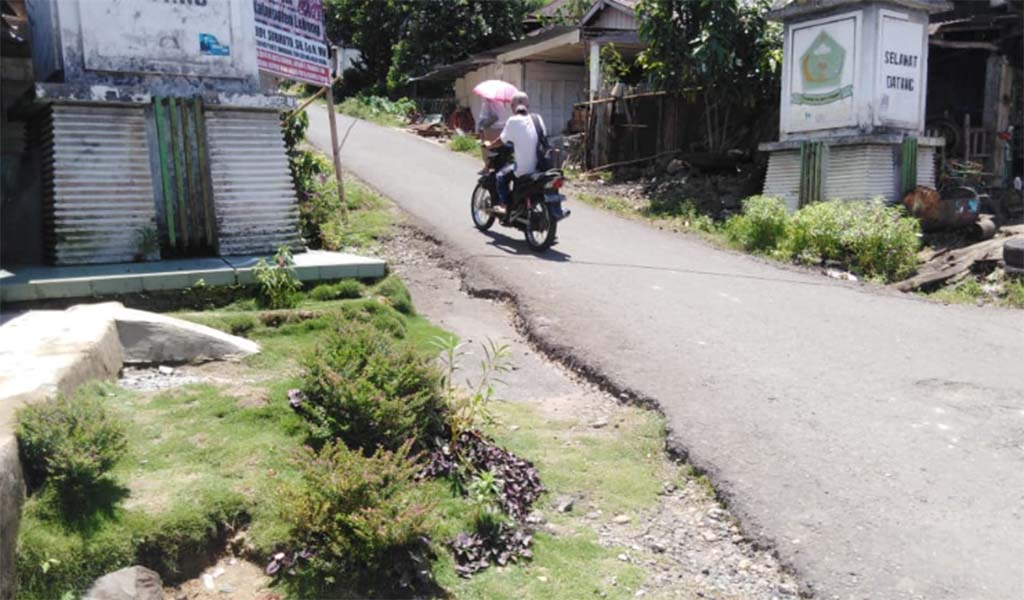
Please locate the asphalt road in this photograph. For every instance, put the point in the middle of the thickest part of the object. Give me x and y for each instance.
(877, 440)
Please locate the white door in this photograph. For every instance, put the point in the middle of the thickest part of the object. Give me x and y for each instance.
(553, 90)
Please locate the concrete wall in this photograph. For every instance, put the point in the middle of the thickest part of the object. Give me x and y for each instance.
(152, 43)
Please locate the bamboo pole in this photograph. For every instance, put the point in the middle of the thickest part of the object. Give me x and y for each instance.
(335, 149)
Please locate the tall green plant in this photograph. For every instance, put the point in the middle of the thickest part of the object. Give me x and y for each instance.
(468, 406)
(278, 284)
(723, 49)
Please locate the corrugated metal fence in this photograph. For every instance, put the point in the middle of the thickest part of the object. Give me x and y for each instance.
(222, 183)
(257, 210)
(98, 190)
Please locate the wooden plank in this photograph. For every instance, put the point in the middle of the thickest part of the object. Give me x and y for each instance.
(946, 265)
(190, 179)
(172, 109)
(203, 157)
(161, 138)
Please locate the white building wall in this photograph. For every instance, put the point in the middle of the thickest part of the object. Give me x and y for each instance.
(553, 88)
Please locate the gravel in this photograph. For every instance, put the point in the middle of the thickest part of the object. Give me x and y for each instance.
(155, 379)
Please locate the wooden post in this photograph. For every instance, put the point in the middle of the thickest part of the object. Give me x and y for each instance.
(335, 150)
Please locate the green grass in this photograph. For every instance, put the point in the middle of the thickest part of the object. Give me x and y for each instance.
(617, 470)
(199, 457)
(196, 461)
(368, 219)
(967, 291)
(1014, 290)
(612, 203)
(204, 456)
(464, 143)
(390, 113)
(1008, 292)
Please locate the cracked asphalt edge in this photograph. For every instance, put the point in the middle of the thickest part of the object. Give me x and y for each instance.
(477, 281)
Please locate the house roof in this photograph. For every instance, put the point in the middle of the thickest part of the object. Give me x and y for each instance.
(545, 42)
(458, 69)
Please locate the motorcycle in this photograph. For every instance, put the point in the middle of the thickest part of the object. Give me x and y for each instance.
(534, 207)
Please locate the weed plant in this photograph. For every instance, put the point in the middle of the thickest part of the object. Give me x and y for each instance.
(278, 285)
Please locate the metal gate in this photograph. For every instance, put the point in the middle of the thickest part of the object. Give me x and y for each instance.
(184, 199)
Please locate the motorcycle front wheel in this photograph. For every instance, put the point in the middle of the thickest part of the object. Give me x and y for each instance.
(480, 208)
(541, 227)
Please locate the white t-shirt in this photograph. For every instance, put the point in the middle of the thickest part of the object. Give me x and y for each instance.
(520, 133)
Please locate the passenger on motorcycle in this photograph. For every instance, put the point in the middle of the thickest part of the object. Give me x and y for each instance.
(521, 133)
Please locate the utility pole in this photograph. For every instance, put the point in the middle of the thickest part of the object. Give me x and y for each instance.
(335, 150)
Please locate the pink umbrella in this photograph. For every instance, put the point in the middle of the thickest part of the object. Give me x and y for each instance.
(495, 89)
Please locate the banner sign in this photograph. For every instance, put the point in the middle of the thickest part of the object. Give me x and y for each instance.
(290, 40)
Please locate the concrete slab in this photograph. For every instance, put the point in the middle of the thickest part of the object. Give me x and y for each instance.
(84, 281)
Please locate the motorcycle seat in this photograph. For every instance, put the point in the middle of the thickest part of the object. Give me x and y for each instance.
(537, 176)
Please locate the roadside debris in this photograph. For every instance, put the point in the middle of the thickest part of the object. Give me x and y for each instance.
(941, 265)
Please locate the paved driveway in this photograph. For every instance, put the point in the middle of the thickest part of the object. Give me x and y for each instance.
(876, 439)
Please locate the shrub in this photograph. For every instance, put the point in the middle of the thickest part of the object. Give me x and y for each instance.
(882, 242)
(378, 109)
(361, 387)
(869, 238)
(352, 518)
(278, 285)
(396, 295)
(343, 290)
(761, 226)
(382, 318)
(814, 232)
(464, 143)
(71, 442)
(239, 324)
(317, 195)
(294, 126)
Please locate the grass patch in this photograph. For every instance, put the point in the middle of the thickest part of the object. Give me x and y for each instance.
(390, 113)
(617, 470)
(464, 143)
(190, 473)
(967, 291)
(204, 460)
(612, 203)
(369, 218)
(1014, 290)
(996, 289)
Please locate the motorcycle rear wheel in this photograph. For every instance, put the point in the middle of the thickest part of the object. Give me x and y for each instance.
(541, 228)
(480, 208)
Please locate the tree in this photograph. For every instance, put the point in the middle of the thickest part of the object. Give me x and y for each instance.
(372, 26)
(446, 31)
(723, 49)
(399, 39)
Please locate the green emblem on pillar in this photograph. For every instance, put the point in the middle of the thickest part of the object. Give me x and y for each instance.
(821, 67)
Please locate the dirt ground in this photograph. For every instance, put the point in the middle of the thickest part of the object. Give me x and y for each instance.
(229, 578)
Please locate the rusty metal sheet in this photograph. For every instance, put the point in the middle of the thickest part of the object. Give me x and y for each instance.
(254, 198)
(97, 187)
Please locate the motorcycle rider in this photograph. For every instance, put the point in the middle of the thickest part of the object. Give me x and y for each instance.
(519, 131)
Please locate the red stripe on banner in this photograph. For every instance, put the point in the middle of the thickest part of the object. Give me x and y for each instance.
(292, 68)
